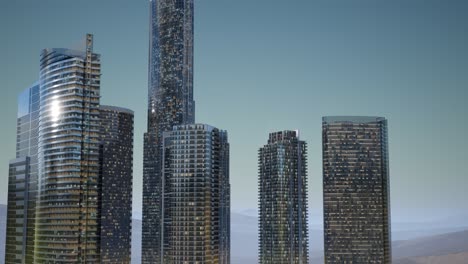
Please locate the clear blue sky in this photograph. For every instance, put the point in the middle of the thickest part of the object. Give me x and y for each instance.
(266, 65)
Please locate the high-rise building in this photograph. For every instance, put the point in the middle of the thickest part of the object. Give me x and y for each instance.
(356, 190)
(170, 103)
(197, 164)
(170, 91)
(22, 182)
(17, 210)
(283, 231)
(70, 186)
(224, 225)
(68, 156)
(116, 178)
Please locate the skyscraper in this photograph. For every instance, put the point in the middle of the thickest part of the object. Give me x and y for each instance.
(170, 103)
(70, 186)
(356, 190)
(115, 185)
(283, 231)
(22, 182)
(197, 163)
(68, 156)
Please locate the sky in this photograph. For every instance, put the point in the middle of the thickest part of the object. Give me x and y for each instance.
(268, 65)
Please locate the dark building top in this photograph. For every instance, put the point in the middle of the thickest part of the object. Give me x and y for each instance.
(352, 119)
(276, 137)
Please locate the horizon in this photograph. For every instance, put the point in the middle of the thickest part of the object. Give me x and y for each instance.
(331, 59)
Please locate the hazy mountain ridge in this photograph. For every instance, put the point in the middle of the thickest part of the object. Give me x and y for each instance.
(458, 258)
(448, 248)
(451, 248)
(425, 244)
(416, 243)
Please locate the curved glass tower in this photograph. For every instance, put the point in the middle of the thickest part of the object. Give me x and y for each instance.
(66, 213)
(170, 103)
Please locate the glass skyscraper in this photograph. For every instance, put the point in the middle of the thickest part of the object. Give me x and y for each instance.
(70, 186)
(197, 166)
(17, 210)
(22, 182)
(170, 91)
(170, 103)
(283, 231)
(68, 155)
(356, 190)
(116, 178)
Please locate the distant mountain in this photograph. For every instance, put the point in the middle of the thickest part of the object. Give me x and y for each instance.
(451, 248)
(458, 258)
(417, 242)
(448, 248)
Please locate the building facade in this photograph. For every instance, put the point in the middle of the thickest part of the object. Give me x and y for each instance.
(17, 210)
(70, 186)
(115, 185)
(170, 103)
(68, 156)
(283, 231)
(22, 181)
(356, 190)
(197, 166)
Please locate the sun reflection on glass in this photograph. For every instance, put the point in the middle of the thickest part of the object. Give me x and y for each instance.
(55, 110)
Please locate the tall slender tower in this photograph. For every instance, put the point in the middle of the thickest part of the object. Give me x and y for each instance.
(197, 163)
(170, 103)
(68, 156)
(116, 178)
(356, 190)
(283, 232)
(22, 182)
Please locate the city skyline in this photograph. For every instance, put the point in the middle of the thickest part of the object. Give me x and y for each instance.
(70, 186)
(443, 104)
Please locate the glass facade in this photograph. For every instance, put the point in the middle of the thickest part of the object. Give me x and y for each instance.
(17, 211)
(283, 231)
(170, 103)
(356, 190)
(197, 169)
(170, 95)
(116, 178)
(70, 186)
(67, 208)
(22, 186)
